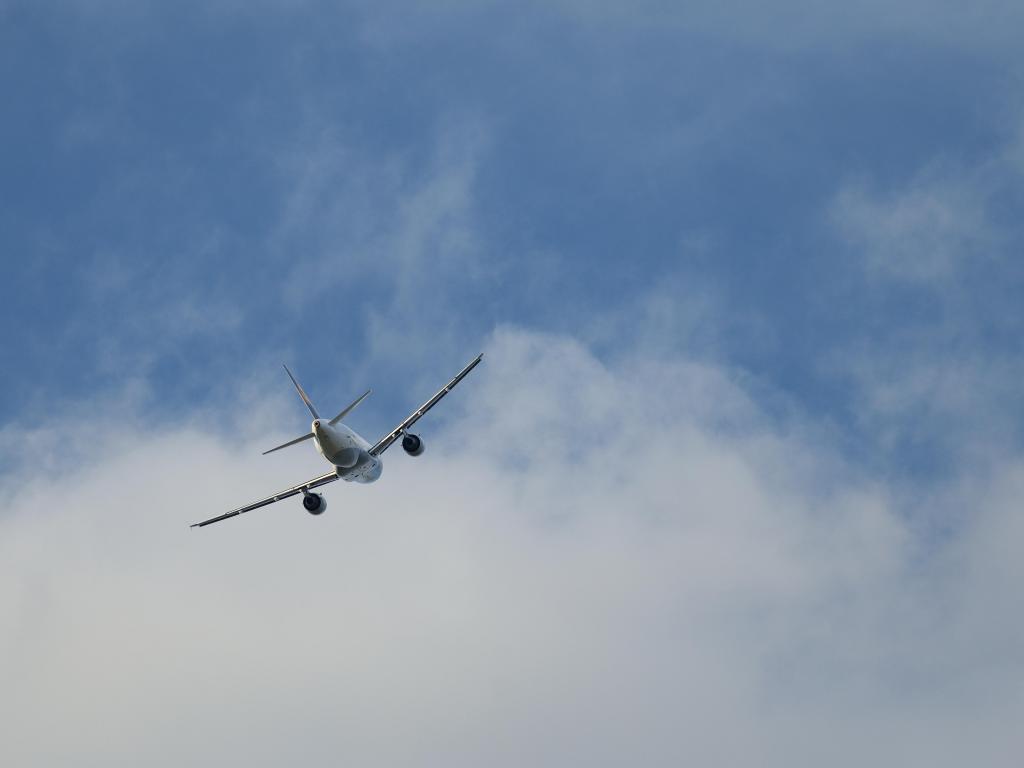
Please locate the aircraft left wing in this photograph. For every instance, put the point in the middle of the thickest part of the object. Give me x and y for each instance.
(316, 482)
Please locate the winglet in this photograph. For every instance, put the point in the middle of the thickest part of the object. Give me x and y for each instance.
(302, 393)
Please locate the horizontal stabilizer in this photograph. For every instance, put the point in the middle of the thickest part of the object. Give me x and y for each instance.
(349, 410)
(290, 442)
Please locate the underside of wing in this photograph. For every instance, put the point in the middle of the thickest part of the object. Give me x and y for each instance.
(383, 444)
(316, 482)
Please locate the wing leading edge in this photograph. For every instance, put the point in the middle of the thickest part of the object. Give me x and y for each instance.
(384, 443)
(316, 482)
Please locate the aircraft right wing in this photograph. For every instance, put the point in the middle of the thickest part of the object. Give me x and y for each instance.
(316, 482)
(383, 444)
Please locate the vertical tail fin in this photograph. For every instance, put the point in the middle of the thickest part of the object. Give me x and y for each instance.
(302, 394)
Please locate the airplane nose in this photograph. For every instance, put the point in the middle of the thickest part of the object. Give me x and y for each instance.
(316, 424)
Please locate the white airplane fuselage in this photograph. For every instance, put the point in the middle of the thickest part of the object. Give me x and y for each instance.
(347, 451)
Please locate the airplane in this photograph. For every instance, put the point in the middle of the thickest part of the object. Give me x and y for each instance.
(352, 458)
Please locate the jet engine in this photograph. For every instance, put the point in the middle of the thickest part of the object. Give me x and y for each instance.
(412, 444)
(314, 503)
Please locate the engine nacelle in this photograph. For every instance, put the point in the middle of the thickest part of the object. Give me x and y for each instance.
(314, 503)
(412, 444)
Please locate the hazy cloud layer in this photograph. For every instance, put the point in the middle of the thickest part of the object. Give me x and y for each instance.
(921, 234)
(592, 564)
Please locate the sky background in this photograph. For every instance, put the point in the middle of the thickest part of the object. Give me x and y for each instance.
(737, 483)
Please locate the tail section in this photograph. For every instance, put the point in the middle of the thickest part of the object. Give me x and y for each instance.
(313, 412)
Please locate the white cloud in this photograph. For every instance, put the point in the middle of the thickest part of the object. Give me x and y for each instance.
(937, 389)
(594, 563)
(921, 233)
(931, 367)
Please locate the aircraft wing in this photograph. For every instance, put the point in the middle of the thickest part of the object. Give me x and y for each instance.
(383, 444)
(316, 482)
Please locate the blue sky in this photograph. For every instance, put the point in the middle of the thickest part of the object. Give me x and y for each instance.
(789, 237)
(171, 174)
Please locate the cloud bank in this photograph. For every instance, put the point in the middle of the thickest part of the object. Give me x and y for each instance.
(604, 562)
